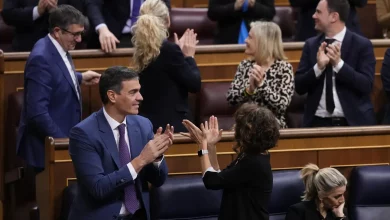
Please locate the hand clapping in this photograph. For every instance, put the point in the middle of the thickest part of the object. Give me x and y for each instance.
(187, 42)
(209, 131)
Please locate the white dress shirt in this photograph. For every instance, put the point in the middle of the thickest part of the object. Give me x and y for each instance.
(127, 27)
(114, 127)
(62, 53)
(321, 110)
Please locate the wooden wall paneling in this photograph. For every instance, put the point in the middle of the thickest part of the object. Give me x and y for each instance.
(177, 4)
(1, 4)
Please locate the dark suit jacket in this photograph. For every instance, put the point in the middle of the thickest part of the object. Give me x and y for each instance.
(114, 13)
(19, 13)
(307, 210)
(51, 107)
(165, 84)
(385, 76)
(100, 178)
(305, 25)
(229, 20)
(247, 186)
(354, 81)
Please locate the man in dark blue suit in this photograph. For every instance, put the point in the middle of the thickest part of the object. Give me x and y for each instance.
(52, 95)
(336, 71)
(306, 9)
(112, 20)
(115, 153)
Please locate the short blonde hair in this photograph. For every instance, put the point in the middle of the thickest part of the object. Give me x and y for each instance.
(149, 32)
(268, 38)
(319, 182)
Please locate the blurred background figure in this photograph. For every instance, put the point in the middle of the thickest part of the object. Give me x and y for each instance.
(31, 19)
(230, 13)
(383, 15)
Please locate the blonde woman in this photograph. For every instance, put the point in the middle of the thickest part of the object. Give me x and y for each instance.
(383, 16)
(168, 71)
(323, 197)
(266, 77)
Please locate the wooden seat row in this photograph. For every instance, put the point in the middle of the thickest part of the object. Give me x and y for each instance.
(342, 148)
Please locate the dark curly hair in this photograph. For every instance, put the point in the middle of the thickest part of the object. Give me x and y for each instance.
(256, 129)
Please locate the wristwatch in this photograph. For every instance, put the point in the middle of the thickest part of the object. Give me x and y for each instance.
(202, 152)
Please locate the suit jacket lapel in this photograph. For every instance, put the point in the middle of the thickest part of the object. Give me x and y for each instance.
(108, 137)
(60, 63)
(134, 137)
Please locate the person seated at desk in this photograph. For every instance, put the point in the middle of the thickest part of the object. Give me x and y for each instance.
(229, 15)
(247, 181)
(266, 78)
(323, 197)
(168, 71)
(112, 21)
(336, 70)
(115, 153)
(383, 16)
(306, 9)
(31, 19)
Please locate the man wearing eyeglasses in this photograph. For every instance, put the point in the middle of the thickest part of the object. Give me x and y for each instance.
(30, 19)
(52, 95)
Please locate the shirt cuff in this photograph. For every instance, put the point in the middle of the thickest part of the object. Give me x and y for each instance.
(35, 14)
(338, 67)
(157, 164)
(317, 71)
(99, 26)
(132, 171)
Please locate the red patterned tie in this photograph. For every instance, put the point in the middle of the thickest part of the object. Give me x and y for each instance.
(131, 201)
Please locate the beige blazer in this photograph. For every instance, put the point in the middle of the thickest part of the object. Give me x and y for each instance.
(383, 15)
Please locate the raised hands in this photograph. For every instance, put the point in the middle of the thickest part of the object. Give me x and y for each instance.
(256, 77)
(44, 5)
(322, 58)
(156, 147)
(209, 131)
(187, 42)
(334, 54)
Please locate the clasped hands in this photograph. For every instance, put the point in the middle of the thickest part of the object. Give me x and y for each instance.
(207, 136)
(256, 78)
(156, 147)
(44, 5)
(332, 55)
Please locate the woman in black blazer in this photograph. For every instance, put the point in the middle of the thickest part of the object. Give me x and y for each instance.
(168, 71)
(323, 198)
(229, 15)
(247, 181)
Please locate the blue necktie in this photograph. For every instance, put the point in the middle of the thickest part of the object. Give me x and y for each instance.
(243, 34)
(131, 201)
(135, 11)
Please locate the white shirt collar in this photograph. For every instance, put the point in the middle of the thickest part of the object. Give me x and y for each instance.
(112, 122)
(340, 36)
(58, 46)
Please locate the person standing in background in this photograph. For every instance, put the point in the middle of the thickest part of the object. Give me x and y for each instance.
(168, 71)
(229, 15)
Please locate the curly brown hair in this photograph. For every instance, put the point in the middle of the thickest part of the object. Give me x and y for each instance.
(256, 129)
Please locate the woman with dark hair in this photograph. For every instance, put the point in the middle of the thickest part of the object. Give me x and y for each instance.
(247, 181)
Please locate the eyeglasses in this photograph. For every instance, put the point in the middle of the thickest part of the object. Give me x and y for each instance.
(75, 34)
